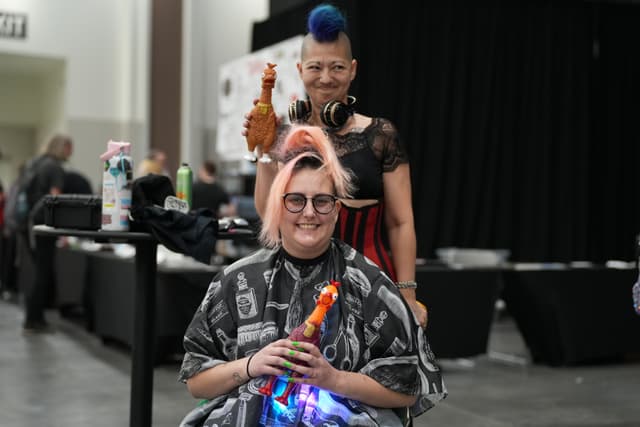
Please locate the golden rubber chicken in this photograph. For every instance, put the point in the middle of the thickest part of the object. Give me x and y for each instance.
(262, 126)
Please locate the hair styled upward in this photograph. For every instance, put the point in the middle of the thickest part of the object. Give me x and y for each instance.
(326, 24)
(307, 147)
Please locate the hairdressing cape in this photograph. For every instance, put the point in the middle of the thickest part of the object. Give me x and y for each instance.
(369, 329)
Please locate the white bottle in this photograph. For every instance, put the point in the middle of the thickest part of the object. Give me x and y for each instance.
(117, 177)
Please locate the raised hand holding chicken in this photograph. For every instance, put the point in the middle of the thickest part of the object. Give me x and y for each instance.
(261, 130)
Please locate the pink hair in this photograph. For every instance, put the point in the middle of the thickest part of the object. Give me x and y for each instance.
(308, 142)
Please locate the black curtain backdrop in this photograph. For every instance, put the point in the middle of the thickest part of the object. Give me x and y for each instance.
(521, 122)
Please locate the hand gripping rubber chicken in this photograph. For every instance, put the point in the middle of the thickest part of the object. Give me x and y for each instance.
(308, 331)
(262, 126)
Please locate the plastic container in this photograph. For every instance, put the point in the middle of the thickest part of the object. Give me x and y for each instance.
(184, 184)
(117, 177)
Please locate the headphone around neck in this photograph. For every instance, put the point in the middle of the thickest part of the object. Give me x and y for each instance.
(334, 113)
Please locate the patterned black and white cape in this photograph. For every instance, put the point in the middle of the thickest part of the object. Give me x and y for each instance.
(369, 329)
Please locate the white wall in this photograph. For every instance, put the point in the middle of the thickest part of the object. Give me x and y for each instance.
(214, 32)
(31, 93)
(51, 102)
(240, 83)
(104, 91)
(14, 154)
(98, 40)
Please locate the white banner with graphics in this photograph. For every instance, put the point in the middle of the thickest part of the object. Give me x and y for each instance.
(240, 83)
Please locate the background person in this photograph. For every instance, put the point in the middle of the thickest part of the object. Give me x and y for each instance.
(149, 165)
(2, 202)
(160, 157)
(378, 221)
(76, 183)
(9, 261)
(208, 193)
(371, 357)
(49, 179)
(3, 240)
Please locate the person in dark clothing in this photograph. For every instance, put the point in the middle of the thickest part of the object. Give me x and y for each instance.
(207, 193)
(8, 270)
(1, 206)
(49, 179)
(3, 240)
(76, 183)
(378, 220)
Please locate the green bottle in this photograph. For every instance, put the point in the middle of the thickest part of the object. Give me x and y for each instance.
(184, 183)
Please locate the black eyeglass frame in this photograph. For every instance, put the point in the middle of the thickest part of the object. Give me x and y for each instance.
(313, 199)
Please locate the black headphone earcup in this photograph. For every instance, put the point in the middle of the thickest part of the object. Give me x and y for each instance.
(335, 113)
(298, 110)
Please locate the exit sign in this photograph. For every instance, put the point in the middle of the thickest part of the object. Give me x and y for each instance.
(13, 25)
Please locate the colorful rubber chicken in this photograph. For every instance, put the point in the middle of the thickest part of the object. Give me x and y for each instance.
(308, 331)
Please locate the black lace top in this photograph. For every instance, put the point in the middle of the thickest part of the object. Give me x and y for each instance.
(368, 153)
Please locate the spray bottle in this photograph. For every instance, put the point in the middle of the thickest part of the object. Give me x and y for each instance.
(117, 177)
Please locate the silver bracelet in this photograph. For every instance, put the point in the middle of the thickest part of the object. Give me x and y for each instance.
(408, 284)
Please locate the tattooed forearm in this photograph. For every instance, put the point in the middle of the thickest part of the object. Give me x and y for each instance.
(237, 378)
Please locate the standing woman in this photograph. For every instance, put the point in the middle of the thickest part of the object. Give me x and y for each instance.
(378, 221)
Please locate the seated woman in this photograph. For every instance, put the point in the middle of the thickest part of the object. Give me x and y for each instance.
(261, 317)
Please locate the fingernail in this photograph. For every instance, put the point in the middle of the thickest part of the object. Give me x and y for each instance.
(295, 343)
(290, 379)
(292, 352)
(287, 364)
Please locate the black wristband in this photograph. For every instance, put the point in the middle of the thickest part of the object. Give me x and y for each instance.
(247, 369)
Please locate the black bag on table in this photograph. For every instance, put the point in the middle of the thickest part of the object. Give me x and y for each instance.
(190, 234)
(78, 211)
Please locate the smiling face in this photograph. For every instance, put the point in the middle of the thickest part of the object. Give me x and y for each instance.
(326, 70)
(307, 234)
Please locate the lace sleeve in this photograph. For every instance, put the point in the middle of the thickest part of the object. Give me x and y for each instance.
(387, 146)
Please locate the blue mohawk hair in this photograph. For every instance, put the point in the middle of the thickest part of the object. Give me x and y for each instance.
(325, 23)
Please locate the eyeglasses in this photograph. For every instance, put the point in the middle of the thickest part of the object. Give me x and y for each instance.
(322, 203)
